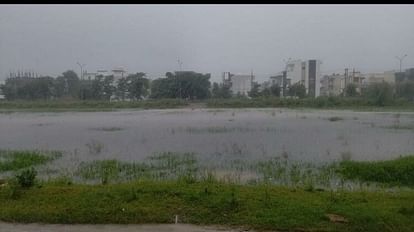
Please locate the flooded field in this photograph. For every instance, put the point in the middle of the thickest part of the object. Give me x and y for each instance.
(213, 135)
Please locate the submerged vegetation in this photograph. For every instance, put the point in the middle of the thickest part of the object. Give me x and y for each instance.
(279, 170)
(15, 160)
(284, 195)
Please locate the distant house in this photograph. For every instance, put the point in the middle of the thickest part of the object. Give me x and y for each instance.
(240, 84)
(388, 76)
(276, 80)
(305, 72)
(335, 84)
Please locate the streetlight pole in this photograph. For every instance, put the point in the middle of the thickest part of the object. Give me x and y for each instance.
(401, 58)
(81, 68)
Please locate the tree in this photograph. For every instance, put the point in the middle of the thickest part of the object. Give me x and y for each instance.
(379, 94)
(405, 90)
(67, 85)
(108, 87)
(121, 88)
(350, 90)
(215, 91)
(188, 84)
(137, 86)
(254, 92)
(225, 91)
(297, 90)
(97, 87)
(220, 91)
(28, 88)
(85, 90)
(275, 90)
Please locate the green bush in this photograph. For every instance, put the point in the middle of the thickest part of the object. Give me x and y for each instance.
(26, 178)
(396, 172)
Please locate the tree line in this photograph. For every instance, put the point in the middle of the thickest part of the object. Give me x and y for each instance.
(185, 85)
(68, 86)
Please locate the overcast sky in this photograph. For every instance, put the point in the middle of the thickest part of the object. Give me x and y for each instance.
(50, 39)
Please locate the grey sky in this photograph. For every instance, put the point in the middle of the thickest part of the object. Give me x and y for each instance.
(50, 39)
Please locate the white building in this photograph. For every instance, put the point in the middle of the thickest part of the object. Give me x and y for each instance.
(307, 73)
(335, 84)
(118, 73)
(240, 84)
(2, 97)
(388, 76)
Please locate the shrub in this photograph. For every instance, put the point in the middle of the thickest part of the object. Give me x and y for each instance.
(26, 178)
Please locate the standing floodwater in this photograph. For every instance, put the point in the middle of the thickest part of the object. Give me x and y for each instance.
(215, 135)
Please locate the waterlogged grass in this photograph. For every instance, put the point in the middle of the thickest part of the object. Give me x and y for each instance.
(285, 195)
(261, 207)
(159, 166)
(15, 160)
(278, 170)
(394, 172)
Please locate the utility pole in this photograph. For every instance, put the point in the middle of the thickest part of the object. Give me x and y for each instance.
(401, 58)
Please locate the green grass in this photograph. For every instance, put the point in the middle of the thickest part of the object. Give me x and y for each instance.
(62, 106)
(394, 172)
(168, 184)
(357, 104)
(15, 160)
(260, 207)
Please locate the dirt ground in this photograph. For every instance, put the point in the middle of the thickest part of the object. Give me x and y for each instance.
(34, 227)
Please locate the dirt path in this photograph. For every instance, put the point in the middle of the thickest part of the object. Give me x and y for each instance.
(34, 227)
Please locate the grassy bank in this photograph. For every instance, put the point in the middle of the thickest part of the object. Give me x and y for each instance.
(395, 172)
(358, 104)
(170, 184)
(210, 202)
(7, 106)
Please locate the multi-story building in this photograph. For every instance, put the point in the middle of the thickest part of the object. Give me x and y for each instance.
(408, 75)
(305, 72)
(335, 84)
(240, 84)
(118, 73)
(332, 85)
(276, 80)
(388, 76)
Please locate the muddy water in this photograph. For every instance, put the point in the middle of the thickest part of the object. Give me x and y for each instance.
(215, 135)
